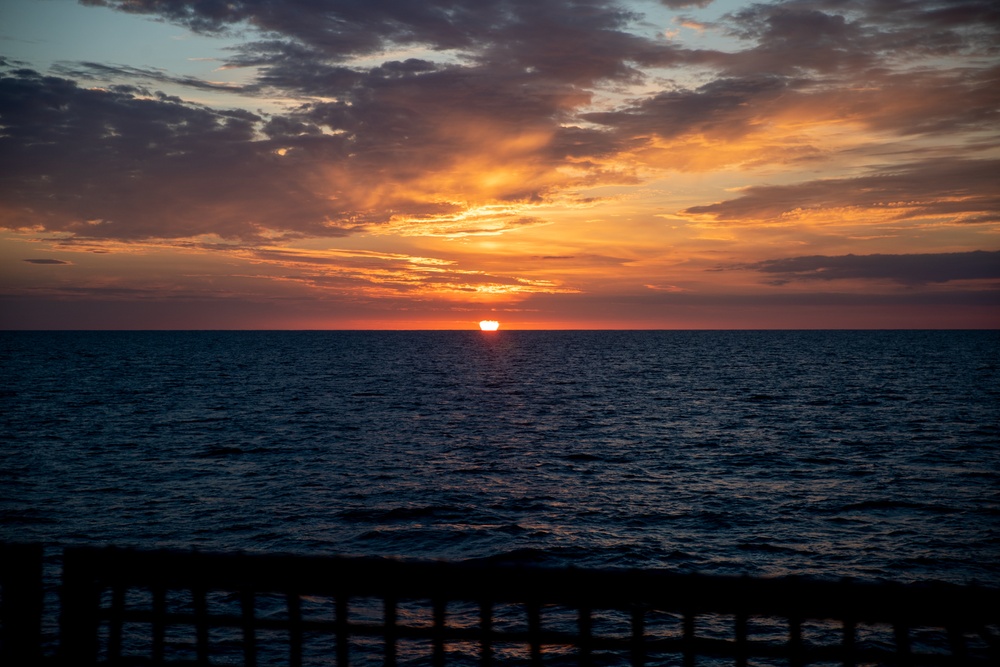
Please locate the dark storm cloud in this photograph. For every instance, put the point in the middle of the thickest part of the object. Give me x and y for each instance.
(852, 60)
(106, 72)
(575, 43)
(371, 141)
(111, 164)
(681, 4)
(792, 38)
(907, 269)
(733, 107)
(293, 67)
(962, 191)
(343, 28)
(852, 35)
(572, 42)
(46, 261)
(724, 107)
(107, 164)
(579, 43)
(901, 19)
(425, 118)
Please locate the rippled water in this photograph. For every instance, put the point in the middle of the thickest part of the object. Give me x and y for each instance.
(867, 454)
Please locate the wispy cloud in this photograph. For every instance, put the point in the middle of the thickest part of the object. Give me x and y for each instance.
(956, 191)
(916, 269)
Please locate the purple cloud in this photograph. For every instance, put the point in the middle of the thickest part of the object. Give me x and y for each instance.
(960, 190)
(915, 269)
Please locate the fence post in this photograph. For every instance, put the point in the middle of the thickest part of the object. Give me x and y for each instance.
(80, 600)
(21, 614)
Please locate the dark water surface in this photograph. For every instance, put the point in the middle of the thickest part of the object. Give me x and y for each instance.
(867, 454)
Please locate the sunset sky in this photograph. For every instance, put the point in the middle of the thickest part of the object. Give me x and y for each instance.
(426, 164)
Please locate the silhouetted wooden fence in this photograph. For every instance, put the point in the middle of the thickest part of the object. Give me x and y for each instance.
(125, 607)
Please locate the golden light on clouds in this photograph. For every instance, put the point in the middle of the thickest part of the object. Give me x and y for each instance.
(631, 165)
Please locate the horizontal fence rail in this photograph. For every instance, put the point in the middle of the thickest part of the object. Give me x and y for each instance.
(127, 607)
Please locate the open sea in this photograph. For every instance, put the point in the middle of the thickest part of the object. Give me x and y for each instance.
(873, 455)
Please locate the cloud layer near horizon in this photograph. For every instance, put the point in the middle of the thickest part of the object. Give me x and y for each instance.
(917, 269)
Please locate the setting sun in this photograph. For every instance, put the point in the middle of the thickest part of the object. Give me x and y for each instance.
(489, 325)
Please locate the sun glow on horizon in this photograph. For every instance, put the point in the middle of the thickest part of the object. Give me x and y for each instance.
(489, 325)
